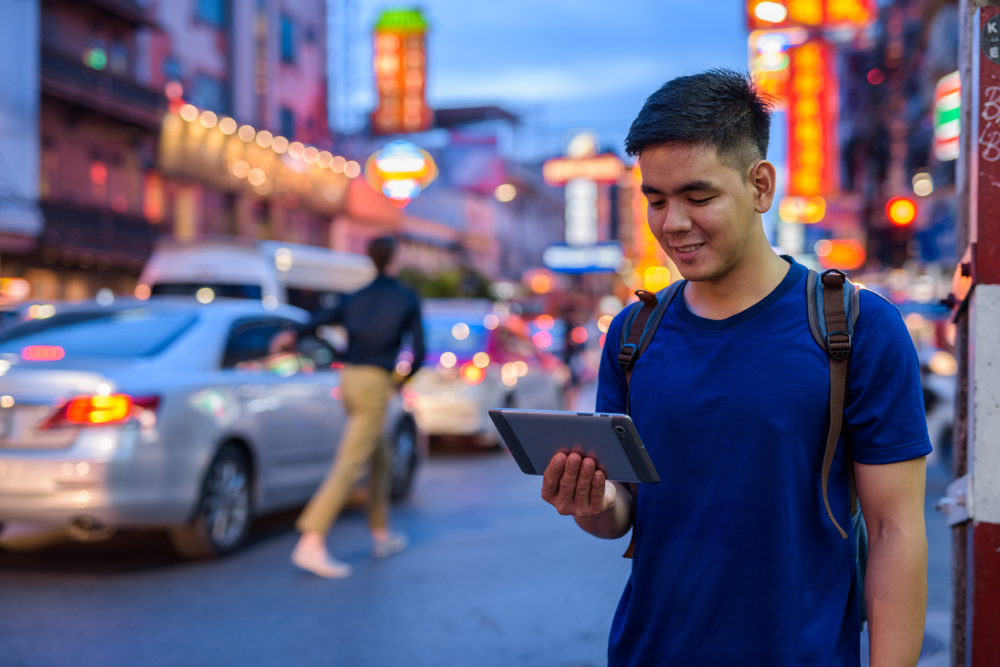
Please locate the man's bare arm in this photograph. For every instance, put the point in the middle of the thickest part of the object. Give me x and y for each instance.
(575, 487)
(892, 498)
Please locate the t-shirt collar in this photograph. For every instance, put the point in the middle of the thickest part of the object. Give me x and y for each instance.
(793, 276)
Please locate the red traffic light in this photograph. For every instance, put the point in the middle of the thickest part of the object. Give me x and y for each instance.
(901, 211)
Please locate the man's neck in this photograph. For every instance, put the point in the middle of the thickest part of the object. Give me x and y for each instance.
(756, 276)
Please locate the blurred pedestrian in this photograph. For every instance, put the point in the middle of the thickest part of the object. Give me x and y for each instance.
(376, 318)
(737, 558)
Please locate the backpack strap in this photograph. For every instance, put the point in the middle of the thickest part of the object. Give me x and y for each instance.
(640, 326)
(835, 333)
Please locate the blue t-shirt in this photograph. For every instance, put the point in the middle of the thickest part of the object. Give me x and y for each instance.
(736, 561)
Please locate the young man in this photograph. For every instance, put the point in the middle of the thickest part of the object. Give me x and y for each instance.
(736, 561)
(376, 318)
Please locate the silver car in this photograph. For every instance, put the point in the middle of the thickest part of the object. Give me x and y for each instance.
(170, 414)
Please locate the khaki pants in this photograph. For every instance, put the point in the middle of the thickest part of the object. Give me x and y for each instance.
(367, 390)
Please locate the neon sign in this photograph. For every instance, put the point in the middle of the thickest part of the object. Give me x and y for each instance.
(810, 121)
(768, 14)
(770, 62)
(401, 73)
(947, 102)
(400, 171)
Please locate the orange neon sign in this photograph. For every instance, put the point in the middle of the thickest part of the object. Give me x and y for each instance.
(845, 254)
(601, 168)
(811, 121)
(401, 73)
(770, 14)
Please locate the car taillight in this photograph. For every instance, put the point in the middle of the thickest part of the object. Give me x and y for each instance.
(43, 353)
(472, 374)
(103, 409)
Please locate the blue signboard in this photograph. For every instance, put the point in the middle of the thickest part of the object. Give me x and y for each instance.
(596, 258)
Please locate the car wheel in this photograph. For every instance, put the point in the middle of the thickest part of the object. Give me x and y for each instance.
(222, 521)
(404, 459)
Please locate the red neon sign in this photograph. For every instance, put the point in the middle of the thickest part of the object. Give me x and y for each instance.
(811, 120)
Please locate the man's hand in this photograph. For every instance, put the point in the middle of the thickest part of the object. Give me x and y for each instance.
(574, 486)
(283, 341)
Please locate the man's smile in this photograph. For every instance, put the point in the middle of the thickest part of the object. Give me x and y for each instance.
(685, 252)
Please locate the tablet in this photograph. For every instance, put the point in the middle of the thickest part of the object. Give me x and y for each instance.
(535, 436)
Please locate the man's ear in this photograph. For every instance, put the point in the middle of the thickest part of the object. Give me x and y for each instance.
(764, 180)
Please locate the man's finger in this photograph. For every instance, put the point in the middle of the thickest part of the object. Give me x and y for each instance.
(584, 482)
(597, 491)
(567, 483)
(550, 478)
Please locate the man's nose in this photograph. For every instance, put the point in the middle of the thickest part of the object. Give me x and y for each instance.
(676, 220)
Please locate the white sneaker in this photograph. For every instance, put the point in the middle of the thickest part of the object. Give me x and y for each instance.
(395, 543)
(327, 567)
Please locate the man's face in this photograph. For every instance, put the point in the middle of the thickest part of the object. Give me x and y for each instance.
(701, 209)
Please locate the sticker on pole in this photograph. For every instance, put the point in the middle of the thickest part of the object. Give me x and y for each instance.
(990, 39)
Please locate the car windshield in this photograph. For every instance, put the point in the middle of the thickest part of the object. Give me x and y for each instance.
(462, 334)
(140, 332)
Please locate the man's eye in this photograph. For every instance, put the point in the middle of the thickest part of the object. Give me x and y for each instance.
(702, 201)
(657, 204)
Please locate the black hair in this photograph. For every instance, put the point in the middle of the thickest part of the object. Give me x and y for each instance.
(381, 251)
(721, 108)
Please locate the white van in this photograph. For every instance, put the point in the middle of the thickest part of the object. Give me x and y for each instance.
(309, 277)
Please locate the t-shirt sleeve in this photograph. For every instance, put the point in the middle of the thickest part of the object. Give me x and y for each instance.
(612, 389)
(884, 420)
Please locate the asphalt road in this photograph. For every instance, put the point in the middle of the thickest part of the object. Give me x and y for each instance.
(493, 577)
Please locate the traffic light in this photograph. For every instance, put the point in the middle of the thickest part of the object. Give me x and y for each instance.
(901, 211)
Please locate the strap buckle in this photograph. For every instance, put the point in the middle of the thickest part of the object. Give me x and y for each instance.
(839, 349)
(625, 356)
(834, 277)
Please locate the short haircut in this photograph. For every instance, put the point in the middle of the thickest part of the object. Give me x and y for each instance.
(721, 108)
(381, 251)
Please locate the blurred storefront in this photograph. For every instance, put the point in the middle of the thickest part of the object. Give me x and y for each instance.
(203, 118)
(97, 124)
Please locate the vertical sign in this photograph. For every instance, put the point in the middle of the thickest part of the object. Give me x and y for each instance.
(811, 121)
(769, 60)
(947, 102)
(401, 73)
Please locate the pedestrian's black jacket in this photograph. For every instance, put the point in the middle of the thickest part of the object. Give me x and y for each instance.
(376, 318)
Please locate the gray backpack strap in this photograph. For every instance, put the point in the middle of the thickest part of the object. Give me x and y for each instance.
(815, 302)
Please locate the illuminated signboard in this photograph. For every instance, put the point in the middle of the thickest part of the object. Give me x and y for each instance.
(601, 168)
(769, 60)
(595, 258)
(947, 100)
(401, 73)
(811, 121)
(769, 14)
(400, 171)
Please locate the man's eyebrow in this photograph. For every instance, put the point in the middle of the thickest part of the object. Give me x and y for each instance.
(695, 186)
